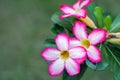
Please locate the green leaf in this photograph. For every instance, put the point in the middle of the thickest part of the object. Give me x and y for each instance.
(65, 76)
(114, 57)
(99, 16)
(56, 29)
(49, 43)
(66, 23)
(107, 22)
(101, 65)
(115, 25)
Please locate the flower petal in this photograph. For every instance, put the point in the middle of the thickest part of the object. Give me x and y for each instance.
(73, 42)
(79, 30)
(77, 52)
(62, 41)
(82, 13)
(80, 61)
(85, 3)
(64, 16)
(72, 67)
(94, 54)
(97, 36)
(67, 9)
(50, 54)
(56, 68)
(77, 4)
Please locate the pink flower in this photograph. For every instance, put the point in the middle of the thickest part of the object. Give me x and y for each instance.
(75, 10)
(88, 41)
(63, 57)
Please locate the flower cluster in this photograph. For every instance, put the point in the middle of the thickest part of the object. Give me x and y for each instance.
(73, 51)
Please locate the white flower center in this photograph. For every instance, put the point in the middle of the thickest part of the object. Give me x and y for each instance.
(64, 55)
(85, 43)
(77, 10)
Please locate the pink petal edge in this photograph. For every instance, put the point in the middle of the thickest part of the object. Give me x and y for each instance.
(81, 14)
(64, 16)
(85, 3)
(70, 66)
(59, 72)
(62, 41)
(99, 55)
(79, 30)
(67, 9)
(95, 38)
(50, 56)
(77, 4)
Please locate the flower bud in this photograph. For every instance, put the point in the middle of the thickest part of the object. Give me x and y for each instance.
(114, 34)
(88, 22)
(114, 40)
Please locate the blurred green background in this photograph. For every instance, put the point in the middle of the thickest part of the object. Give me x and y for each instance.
(24, 25)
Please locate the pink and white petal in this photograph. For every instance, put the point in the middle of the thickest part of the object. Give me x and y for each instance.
(79, 30)
(85, 3)
(80, 61)
(56, 68)
(67, 9)
(50, 54)
(72, 67)
(64, 16)
(62, 41)
(94, 54)
(73, 42)
(77, 52)
(97, 36)
(82, 13)
(77, 4)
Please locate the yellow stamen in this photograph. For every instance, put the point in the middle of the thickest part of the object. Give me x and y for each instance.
(85, 43)
(64, 55)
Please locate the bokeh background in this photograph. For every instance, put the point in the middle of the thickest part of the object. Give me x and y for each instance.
(24, 25)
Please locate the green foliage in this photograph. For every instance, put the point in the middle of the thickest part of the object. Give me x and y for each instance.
(90, 9)
(76, 77)
(107, 22)
(49, 43)
(99, 16)
(115, 25)
(56, 29)
(114, 57)
(66, 23)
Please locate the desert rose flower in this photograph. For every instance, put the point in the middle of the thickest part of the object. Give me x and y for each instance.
(76, 10)
(88, 41)
(63, 57)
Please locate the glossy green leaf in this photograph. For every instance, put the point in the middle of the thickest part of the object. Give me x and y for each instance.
(107, 22)
(101, 65)
(114, 57)
(49, 43)
(99, 16)
(66, 23)
(65, 76)
(56, 29)
(115, 25)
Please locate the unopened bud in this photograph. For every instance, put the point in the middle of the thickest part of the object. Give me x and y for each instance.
(88, 22)
(114, 34)
(114, 40)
